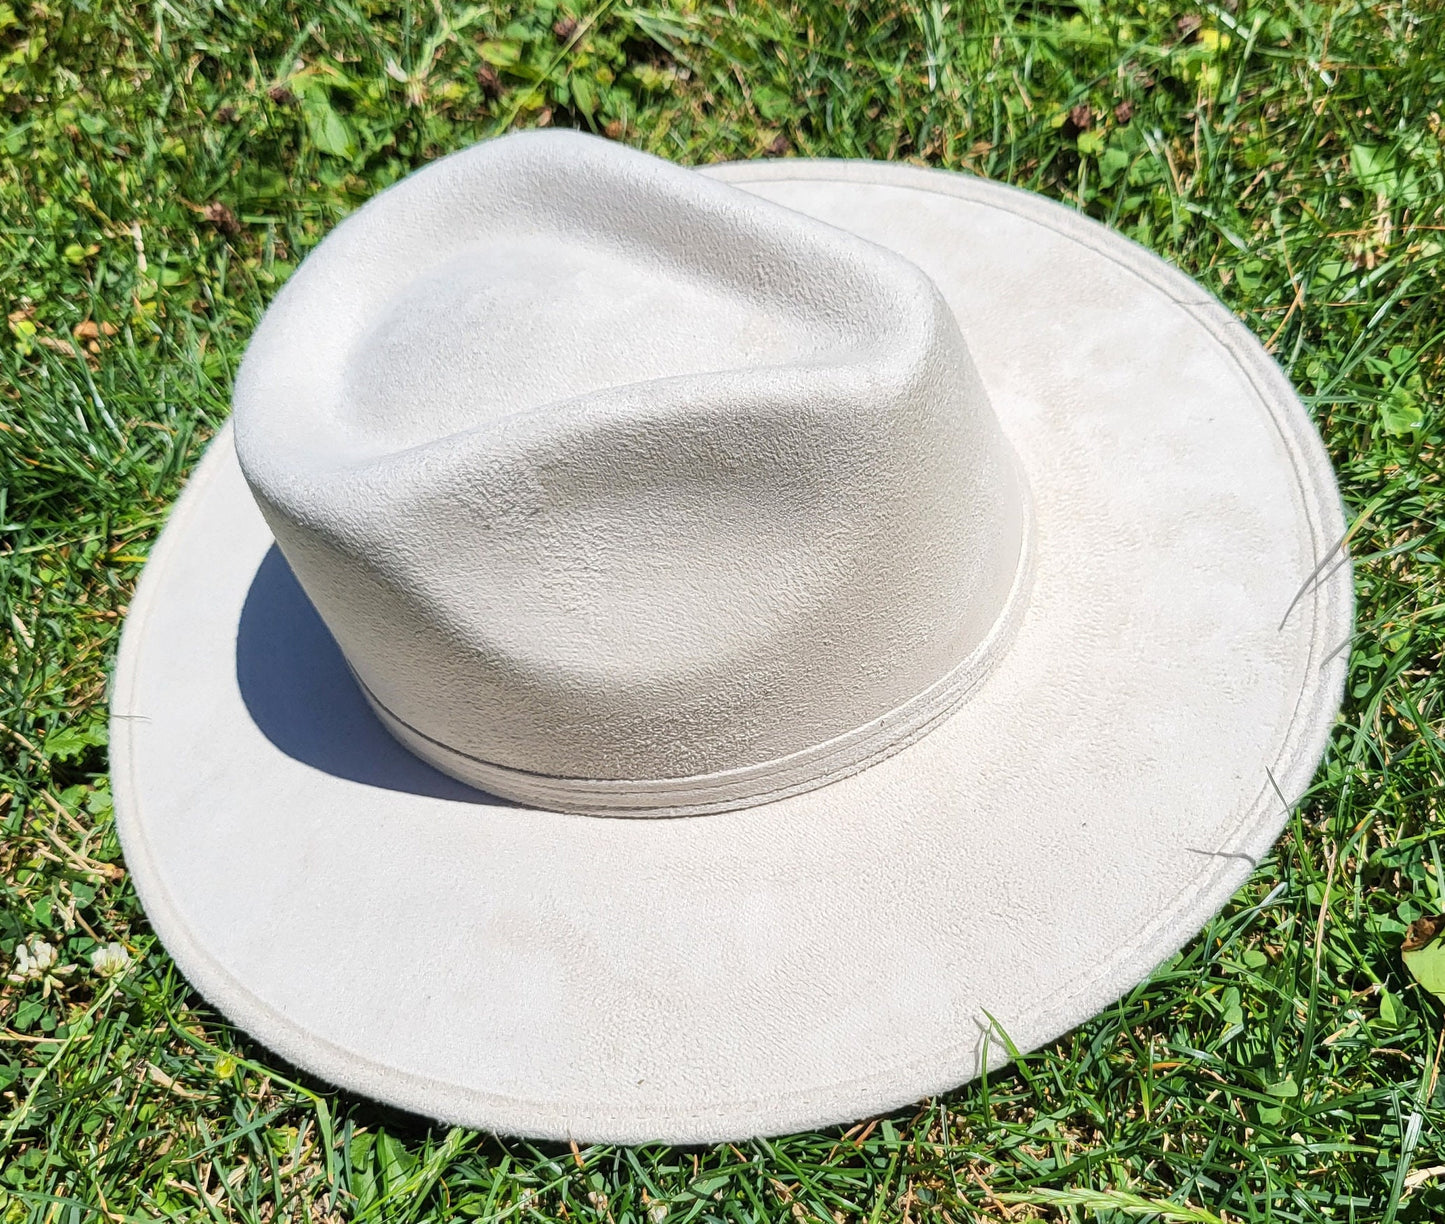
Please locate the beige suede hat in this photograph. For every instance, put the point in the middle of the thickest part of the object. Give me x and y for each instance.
(679, 655)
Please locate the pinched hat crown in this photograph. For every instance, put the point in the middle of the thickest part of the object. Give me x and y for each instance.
(624, 490)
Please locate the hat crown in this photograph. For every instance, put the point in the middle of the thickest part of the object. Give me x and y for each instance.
(623, 489)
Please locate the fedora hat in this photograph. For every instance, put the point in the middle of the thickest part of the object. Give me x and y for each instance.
(669, 654)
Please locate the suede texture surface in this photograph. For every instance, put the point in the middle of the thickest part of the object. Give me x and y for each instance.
(1101, 790)
(600, 469)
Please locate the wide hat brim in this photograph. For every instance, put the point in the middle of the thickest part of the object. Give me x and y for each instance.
(1170, 687)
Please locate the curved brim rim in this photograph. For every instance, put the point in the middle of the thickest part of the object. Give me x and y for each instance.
(1325, 603)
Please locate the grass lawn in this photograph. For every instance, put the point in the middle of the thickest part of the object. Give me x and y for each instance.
(165, 166)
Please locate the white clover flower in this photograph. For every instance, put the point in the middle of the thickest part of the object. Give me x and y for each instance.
(33, 961)
(110, 961)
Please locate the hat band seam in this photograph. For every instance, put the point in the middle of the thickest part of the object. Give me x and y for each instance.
(749, 785)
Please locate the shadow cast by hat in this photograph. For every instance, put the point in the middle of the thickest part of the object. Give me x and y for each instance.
(304, 699)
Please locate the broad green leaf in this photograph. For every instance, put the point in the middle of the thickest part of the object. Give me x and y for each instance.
(1393, 1013)
(772, 103)
(501, 53)
(1401, 358)
(1378, 171)
(328, 130)
(1424, 953)
(27, 1014)
(651, 77)
(71, 742)
(1401, 412)
(1373, 166)
(1112, 164)
(584, 94)
(1285, 1088)
(281, 1139)
(1233, 1011)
